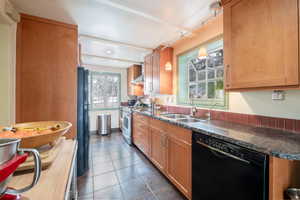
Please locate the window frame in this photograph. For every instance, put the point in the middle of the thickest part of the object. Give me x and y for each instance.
(205, 103)
(95, 73)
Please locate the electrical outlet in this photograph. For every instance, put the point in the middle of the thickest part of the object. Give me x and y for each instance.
(278, 95)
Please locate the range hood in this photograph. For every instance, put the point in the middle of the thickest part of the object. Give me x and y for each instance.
(138, 81)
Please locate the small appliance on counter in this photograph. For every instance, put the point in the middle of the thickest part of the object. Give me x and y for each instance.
(11, 156)
(132, 100)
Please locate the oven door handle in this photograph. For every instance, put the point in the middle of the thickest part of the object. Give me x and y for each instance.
(222, 152)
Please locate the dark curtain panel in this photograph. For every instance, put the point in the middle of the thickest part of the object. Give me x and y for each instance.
(83, 135)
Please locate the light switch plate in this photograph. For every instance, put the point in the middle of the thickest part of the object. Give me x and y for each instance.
(278, 95)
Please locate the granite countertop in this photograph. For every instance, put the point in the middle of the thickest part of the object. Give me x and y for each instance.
(277, 143)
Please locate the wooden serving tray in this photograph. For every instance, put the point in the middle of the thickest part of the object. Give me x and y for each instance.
(47, 154)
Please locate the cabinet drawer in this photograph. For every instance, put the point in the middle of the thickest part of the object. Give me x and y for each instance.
(159, 125)
(180, 133)
(140, 118)
(140, 131)
(140, 125)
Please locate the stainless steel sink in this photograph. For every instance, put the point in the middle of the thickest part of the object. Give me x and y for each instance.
(189, 120)
(176, 116)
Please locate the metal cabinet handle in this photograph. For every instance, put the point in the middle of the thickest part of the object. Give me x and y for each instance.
(227, 74)
(166, 141)
(162, 141)
(222, 152)
(36, 176)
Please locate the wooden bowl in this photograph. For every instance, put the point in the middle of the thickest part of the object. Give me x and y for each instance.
(43, 139)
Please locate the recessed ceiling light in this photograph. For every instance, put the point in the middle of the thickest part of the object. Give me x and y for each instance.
(108, 51)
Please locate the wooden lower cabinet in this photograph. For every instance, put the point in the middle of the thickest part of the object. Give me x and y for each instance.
(140, 139)
(141, 133)
(179, 167)
(158, 148)
(168, 147)
(283, 174)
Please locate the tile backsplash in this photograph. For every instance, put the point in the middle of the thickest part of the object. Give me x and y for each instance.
(292, 125)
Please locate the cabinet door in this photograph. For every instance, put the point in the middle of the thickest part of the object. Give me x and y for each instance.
(156, 72)
(261, 43)
(179, 164)
(141, 137)
(129, 79)
(157, 146)
(166, 76)
(148, 75)
(46, 47)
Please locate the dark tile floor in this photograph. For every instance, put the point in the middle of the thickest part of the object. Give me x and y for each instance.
(120, 172)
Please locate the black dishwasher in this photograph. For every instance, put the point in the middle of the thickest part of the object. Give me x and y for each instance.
(222, 170)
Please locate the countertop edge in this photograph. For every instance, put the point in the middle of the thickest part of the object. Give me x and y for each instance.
(209, 132)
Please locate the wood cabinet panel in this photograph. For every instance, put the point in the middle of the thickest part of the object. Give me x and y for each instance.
(141, 137)
(225, 2)
(157, 79)
(156, 72)
(46, 83)
(261, 44)
(179, 167)
(132, 73)
(138, 118)
(283, 174)
(157, 147)
(148, 73)
(129, 79)
(168, 147)
(166, 76)
(185, 135)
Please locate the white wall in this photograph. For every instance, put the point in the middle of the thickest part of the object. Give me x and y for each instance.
(256, 103)
(7, 73)
(261, 103)
(114, 113)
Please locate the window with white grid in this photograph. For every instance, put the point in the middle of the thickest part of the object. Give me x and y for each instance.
(105, 91)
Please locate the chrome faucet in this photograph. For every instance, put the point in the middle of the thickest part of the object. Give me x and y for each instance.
(193, 109)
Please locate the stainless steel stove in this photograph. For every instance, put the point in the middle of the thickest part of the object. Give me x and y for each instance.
(127, 123)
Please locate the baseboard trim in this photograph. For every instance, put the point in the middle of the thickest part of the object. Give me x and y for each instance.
(113, 130)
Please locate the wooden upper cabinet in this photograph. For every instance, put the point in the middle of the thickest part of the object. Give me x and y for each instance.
(156, 72)
(46, 71)
(148, 74)
(223, 2)
(261, 44)
(132, 73)
(158, 80)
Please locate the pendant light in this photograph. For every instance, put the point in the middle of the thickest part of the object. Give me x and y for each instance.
(168, 65)
(202, 54)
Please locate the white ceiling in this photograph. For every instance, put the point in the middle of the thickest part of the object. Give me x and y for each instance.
(143, 23)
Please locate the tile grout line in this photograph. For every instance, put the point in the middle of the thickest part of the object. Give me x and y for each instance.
(119, 182)
(151, 191)
(92, 160)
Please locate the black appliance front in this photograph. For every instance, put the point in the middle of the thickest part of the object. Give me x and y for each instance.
(223, 170)
(83, 134)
